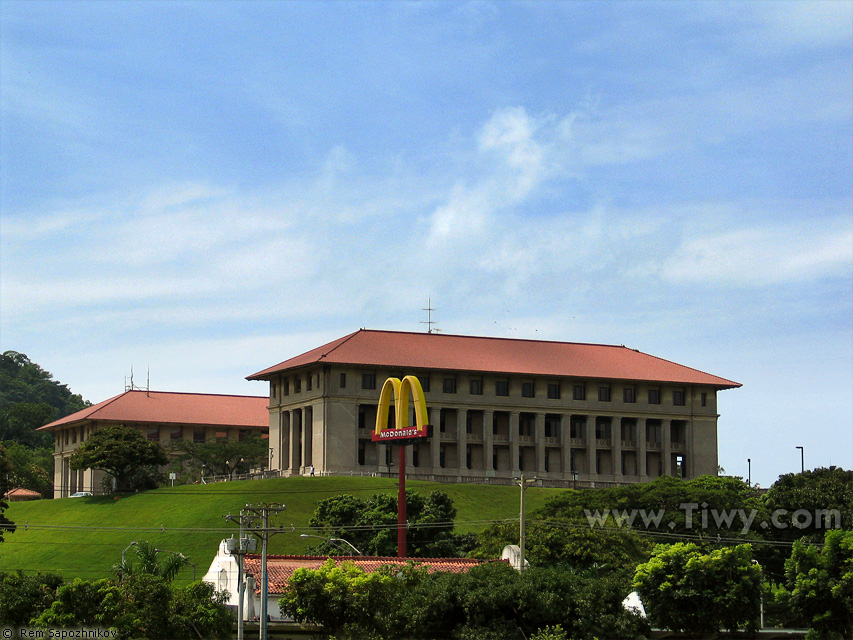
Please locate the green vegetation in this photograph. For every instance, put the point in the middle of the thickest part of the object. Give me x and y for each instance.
(225, 457)
(84, 537)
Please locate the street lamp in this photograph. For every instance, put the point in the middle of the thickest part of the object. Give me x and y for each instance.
(181, 556)
(124, 552)
(802, 460)
(749, 471)
(333, 541)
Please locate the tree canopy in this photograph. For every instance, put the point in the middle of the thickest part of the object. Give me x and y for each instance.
(6, 525)
(223, 456)
(122, 452)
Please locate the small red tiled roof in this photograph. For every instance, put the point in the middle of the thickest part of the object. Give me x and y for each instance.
(398, 349)
(280, 568)
(22, 493)
(176, 408)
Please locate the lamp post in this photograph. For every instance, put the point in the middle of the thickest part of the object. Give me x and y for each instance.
(181, 556)
(124, 552)
(269, 468)
(333, 540)
(802, 460)
(523, 483)
(749, 471)
(240, 548)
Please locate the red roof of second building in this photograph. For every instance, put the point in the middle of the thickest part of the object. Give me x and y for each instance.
(397, 349)
(281, 568)
(176, 408)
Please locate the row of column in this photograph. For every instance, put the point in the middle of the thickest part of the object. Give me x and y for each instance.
(295, 440)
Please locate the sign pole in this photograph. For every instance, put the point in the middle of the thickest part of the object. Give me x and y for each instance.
(401, 506)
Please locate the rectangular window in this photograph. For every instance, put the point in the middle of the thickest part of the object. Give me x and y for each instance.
(424, 380)
(704, 399)
(604, 394)
(415, 456)
(501, 387)
(629, 394)
(176, 434)
(528, 390)
(475, 386)
(199, 436)
(343, 381)
(368, 380)
(579, 392)
(285, 387)
(441, 457)
(361, 456)
(678, 397)
(273, 386)
(553, 390)
(74, 436)
(154, 434)
(449, 385)
(309, 383)
(297, 384)
(654, 396)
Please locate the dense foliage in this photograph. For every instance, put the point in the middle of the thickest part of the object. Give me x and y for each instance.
(125, 454)
(371, 525)
(6, 525)
(223, 456)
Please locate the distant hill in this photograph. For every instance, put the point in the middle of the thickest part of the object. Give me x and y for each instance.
(30, 398)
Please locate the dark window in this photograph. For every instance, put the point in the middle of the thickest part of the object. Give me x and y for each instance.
(441, 422)
(244, 433)
(343, 381)
(579, 392)
(368, 380)
(468, 422)
(704, 399)
(576, 429)
(361, 447)
(449, 385)
(654, 396)
(297, 384)
(273, 389)
(389, 460)
(468, 459)
(501, 387)
(602, 431)
(199, 436)
(309, 383)
(285, 387)
(441, 457)
(362, 417)
(176, 434)
(604, 394)
(424, 380)
(553, 390)
(475, 386)
(154, 434)
(415, 456)
(678, 397)
(629, 394)
(552, 425)
(528, 390)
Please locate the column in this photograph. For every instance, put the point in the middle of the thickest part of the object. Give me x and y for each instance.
(616, 435)
(591, 448)
(688, 450)
(462, 439)
(488, 441)
(283, 453)
(306, 437)
(641, 450)
(435, 441)
(539, 431)
(513, 441)
(566, 444)
(666, 448)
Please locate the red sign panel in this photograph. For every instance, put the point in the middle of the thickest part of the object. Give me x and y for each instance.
(409, 433)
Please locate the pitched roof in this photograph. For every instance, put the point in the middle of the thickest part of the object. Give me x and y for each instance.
(176, 408)
(20, 493)
(425, 351)
(280, 568)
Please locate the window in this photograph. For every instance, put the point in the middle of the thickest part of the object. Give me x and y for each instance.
(361, 456)
(415, 456)
(199, 436)
(368, 380)
(362, 417)
(553, 390)
(176, 434)
(74, 436)
(579, 392)
(528, 390)
(552, 425)
(704, 399)
(501, 387)
(285, 387)
(475, 386)
(441, 457)
(424, 380)
(273, 389)
(154, 434)
(654, 396)
(449, 385)
(577, 428)
(297, 384)
(309, 383)
(678, 397)
(243, 435)
(604, 394)
(629, 394)
(468, 459)
(343, 381)
(602, 430)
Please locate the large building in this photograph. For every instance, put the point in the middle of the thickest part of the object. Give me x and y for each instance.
(566, 412)
(162, 417)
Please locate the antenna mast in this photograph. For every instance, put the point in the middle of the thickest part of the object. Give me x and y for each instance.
(429, 321)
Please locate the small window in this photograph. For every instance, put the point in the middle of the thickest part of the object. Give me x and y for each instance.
(553, 390)
(654, 396)
(176, 434)
(273, 390)
(343, 381)
(309, 383)
(368, 380)
(449, 385)
(704, 399)
(441, 457)
(154, 434)
(579, 392)
(285, 387)
(74, 436)
(604, 394)
(297, 384)
(629, 394)
(424, 380)
(501, 387)
(475, 386)
(243, 435)
(199, 436)
(528, 390)
(361, 452)
(678, 397)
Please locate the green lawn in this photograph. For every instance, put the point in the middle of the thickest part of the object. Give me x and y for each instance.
(84, 537)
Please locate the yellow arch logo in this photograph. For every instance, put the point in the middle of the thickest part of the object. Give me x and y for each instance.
(400, 391)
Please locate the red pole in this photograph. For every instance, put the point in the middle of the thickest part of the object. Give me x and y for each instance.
(401, 506)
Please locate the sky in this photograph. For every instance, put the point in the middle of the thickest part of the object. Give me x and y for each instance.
(196, 191)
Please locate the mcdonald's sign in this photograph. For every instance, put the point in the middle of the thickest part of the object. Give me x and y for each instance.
(400, 390)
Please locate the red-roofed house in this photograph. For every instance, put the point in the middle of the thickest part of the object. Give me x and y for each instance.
(163, 417)
(498, 407)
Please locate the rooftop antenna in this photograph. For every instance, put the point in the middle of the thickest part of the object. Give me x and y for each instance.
(429, 321)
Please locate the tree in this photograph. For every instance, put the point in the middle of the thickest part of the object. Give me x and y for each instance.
(24, 597)
(151, 563)
(819, 585)
(6, 525)
(371, 525)
(684, 589)
(813, 492)
(122, 452)
(31, 468)
(222, 456)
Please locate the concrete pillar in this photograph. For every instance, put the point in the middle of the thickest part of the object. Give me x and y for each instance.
(539, 431)
(462, 438)
(435, 441)
(616, 435)
(666, 447)
(513, 441)
(641, 450)
(488, 441)
(591, 448)
(295, 445)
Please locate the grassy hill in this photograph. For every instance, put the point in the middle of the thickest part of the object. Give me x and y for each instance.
(84, 537)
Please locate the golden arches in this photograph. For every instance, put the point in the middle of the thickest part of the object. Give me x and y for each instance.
(400, 391)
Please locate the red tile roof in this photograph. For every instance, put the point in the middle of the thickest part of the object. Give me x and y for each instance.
(280, 568)
(425, 351)
(22, 494)
(176, 408)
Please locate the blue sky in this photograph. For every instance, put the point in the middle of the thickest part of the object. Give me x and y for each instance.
(206, 189)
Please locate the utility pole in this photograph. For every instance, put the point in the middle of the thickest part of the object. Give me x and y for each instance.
(802, 460)
(251, 517)
(523, 483)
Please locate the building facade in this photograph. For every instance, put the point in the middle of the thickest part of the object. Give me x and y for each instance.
(565, 412)
(163, 417)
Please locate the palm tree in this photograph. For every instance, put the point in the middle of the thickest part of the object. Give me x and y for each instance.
(150, 563)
